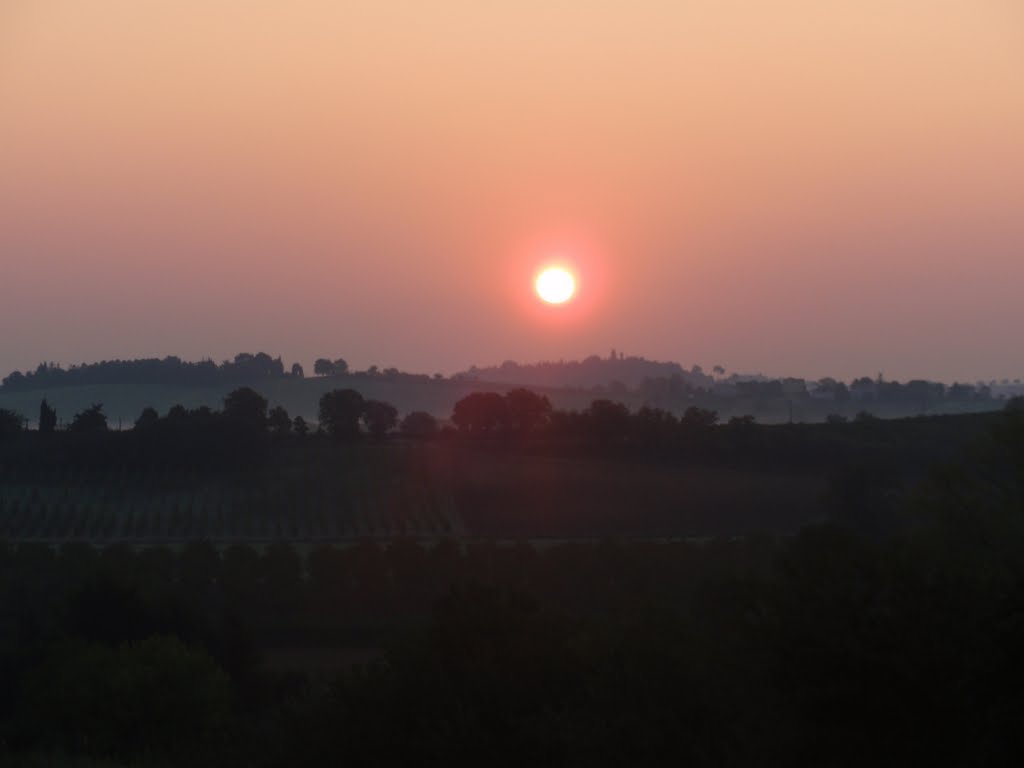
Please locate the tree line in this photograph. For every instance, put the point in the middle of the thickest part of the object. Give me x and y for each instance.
(346, 414)
(517, 416)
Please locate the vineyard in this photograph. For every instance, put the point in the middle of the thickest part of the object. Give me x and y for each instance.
(311, 502)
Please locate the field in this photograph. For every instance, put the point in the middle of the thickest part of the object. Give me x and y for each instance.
(328, 493)
(364, 493)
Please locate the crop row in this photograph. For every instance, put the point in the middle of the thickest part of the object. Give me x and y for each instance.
(56, 515)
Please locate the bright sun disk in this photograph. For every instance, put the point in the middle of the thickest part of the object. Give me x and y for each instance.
(555, 285)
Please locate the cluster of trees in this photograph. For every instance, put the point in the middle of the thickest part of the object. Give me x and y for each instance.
(91, 420)
(325, 367)
(521, 412)
(917, 392)
(170, 371)
(344, 414)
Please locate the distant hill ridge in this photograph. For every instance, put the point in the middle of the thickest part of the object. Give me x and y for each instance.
(245, 368)
(629, 372)
(617, 370)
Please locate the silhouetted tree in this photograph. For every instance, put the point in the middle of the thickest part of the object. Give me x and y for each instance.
(741, 422)
(10, 422)
(419, 424)
(47, 417)
(278, 421)
(340, 367)
(90, 421)
(699, 418)
(246, 407)
(340, 410)
(607, 421)
(297, 371)
(481, 413)
(247, 367)
(299, 426)
(148, 419)
(527, 411)
(323, 367)
(379, 417)
(653, 426)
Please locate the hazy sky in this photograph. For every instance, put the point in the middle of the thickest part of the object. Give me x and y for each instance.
(801, 187)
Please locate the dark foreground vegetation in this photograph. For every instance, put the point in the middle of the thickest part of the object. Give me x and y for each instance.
(886, 630)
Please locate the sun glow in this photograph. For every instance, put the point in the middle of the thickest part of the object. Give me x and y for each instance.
(555, 285)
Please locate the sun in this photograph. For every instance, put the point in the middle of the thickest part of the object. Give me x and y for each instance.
(555, 285)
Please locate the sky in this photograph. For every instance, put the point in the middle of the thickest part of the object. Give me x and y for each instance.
(800, 187)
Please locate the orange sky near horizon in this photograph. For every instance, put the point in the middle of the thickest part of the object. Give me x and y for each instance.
(802, 187)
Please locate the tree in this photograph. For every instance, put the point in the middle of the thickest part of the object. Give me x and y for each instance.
(719, 370)
(699, 418)
(297, 371)
(323, 367)
(11, 423)
(340, 410)
(419, 424)
(300, 427)
(653, 426)
(607, 420)
(742, 422)
(90, 421)
(247, 407)
(278, 421)
(379, 417)
(480, 413)
(526, 410)
(148, 419)
(340, 367)
(47, 417)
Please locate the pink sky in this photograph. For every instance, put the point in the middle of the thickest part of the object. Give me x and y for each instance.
(805, 187)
